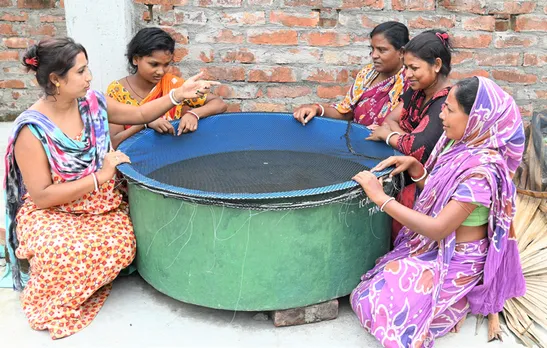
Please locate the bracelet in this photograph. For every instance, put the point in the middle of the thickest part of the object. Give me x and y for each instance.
(386, 202)
(421, 177)
(173, 99)
(193, 113)
(389, 136)
(95, 181)
(322, 109)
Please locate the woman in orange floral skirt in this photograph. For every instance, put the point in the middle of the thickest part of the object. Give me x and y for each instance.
(64, 213)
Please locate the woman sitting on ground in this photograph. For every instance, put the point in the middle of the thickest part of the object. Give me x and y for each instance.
(414, 127)
(149, 56)
(457, 249)
(377, 87)
(64, 213)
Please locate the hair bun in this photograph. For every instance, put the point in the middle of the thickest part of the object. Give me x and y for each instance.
(30, 58)
(443, 37)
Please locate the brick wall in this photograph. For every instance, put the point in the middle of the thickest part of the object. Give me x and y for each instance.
(272, 55)
(275, 54)
(23, 22)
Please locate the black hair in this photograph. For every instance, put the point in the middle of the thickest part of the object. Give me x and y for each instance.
(52, 55)
(466, 93)
(145, 42)
(430, 45)
(395, 33)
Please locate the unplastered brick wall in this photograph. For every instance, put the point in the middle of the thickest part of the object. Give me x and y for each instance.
(273, 55)
(22, 23)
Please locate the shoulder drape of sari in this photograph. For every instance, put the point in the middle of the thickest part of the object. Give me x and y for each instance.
(168, 82)
(492, 145)
(385, 95)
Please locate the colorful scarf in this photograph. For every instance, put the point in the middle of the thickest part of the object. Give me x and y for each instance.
(492, 146)
(371, 104)
(70, 159)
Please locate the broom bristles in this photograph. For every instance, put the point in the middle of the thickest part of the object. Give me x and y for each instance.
(523, 315)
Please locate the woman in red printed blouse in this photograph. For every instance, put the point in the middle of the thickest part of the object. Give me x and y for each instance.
(414, 126)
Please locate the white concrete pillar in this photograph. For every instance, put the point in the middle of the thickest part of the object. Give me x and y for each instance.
(104, 27)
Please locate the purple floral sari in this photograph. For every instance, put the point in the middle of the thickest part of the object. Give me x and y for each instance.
(422, 288)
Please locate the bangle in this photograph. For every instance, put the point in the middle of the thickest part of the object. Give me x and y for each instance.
(173, 99)
(386, 202)
(322, 109)
(389, 136)
(421, 177)
(193, 113)
(95, 181)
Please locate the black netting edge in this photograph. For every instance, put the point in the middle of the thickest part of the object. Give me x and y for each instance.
(350, 148)
(392, 186)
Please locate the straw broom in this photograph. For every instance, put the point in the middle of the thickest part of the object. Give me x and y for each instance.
(526, 315)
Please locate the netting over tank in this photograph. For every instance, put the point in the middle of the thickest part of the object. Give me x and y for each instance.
(261, 160)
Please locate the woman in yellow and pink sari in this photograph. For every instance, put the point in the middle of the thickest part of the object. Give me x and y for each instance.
(149, 55)
(377, 87)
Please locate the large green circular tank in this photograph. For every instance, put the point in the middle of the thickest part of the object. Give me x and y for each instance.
(248, 260)
(255, 211)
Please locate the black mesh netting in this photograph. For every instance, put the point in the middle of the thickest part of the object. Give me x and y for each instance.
(258, 171)
(256, 159)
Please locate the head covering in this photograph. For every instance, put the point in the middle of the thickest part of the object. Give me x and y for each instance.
(491, 147)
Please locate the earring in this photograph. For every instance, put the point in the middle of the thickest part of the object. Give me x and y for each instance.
(57, 85)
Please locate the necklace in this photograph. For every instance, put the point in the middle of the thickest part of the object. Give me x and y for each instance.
(129, 84)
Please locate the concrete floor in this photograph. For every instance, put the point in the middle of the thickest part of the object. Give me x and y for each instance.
(136, 315)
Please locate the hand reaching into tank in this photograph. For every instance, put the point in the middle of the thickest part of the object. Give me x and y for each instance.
(161, 125)
(188, 123)
(110, 162)
(372, 186)
(401, 164)
(306, 113)
(379, 133)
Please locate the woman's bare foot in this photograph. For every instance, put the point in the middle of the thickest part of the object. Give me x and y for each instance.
(494, 328)
(459, 325)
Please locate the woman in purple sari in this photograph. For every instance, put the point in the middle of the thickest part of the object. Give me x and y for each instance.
(457, 249)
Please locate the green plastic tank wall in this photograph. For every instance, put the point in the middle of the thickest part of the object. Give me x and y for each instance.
(251, 260)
